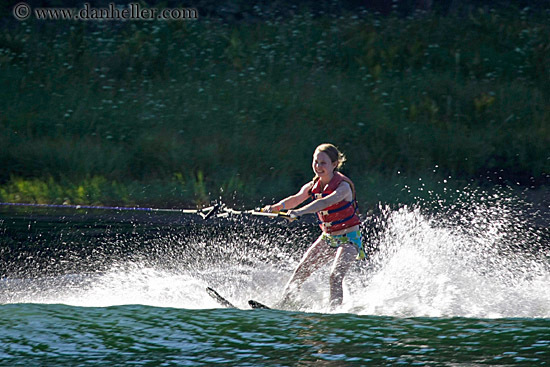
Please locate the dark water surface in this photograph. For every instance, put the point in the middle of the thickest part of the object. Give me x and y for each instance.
(39, 334)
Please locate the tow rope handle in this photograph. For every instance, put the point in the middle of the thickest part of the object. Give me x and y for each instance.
(282, 214)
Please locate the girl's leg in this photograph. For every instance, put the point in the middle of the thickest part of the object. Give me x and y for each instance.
(345, 256)
(318, 254)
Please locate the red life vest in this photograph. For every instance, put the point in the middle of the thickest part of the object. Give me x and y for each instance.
(341, 215)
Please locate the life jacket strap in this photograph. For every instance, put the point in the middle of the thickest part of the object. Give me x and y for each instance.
(343, 207)
(330, 224)
(339, 221)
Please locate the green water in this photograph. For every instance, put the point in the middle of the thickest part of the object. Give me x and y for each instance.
(464, 288)
(49, 334)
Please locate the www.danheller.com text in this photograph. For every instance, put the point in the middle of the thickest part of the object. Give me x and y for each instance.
(132, 11)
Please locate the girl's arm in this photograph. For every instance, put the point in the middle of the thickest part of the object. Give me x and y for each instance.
(342, 192)
(292, 201)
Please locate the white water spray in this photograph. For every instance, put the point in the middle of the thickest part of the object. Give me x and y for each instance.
(451, 265)
(428, 267)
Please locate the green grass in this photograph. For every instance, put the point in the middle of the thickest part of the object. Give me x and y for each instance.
(174, 113)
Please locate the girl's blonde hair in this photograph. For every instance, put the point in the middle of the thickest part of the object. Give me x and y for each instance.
(333, 153)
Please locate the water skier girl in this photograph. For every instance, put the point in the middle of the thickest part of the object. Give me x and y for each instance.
(334, 202)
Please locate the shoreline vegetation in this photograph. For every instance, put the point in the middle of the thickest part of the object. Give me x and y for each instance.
(179, 114)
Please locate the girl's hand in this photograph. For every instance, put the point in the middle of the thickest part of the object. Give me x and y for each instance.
(270, 208)
(293, 214)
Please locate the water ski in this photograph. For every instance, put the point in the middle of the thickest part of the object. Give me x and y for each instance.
(225, 303)
(222, 301)
(256, 304)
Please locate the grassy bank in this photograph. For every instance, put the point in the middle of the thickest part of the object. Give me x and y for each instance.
(168, 113)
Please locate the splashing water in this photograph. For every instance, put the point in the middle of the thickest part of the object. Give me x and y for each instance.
(425, 269)
(474, 260)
